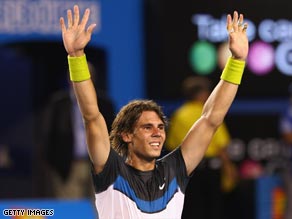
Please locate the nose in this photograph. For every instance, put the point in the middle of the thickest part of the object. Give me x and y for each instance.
(156, 131)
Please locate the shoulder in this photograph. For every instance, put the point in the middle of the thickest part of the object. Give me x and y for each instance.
(172, 158)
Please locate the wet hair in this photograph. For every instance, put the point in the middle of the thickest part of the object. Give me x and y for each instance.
(126, 120)
(193, 85)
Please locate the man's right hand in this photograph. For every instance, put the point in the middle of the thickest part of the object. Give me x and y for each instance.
(75, 37)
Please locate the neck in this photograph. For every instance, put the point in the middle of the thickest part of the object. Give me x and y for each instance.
(140, 164)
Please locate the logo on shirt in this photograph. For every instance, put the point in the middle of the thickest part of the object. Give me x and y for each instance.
(161, 186)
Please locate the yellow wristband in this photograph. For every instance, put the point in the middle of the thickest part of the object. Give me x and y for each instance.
(78, 68)
(233, 71)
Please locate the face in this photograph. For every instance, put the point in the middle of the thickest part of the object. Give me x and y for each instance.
(148, 137)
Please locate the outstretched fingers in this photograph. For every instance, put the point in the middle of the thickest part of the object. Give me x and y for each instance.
(235, 24)
(241, 26)
(240, 21)
(90, 28)
(76, 16)
(235, 21)
(75, 35)
(69, 18)
(62, 24)
(85, 18)
(76, 20)
(244, 28)
(229, 24)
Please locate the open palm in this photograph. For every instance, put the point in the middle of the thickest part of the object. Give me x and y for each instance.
(75, 37)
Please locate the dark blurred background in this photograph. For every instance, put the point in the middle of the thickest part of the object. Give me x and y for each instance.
(144, 49)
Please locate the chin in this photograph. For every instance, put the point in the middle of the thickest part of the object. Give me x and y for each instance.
(157, 154)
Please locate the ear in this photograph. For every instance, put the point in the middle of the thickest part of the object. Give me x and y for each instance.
(126, 137)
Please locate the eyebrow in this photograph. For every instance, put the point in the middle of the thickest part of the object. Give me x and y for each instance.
(150, 124)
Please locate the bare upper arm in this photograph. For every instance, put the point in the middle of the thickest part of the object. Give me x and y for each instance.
(97, 141)
(196, 143)
(97, 136)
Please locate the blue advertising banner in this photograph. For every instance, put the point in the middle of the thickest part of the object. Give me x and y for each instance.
(118, 32)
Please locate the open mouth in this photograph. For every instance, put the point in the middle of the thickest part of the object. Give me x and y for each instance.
(155, 144)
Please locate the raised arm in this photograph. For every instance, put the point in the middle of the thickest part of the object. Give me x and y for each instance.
(198, 138)
(75, 38)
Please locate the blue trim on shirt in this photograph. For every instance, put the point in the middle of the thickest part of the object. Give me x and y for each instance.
(122, 185)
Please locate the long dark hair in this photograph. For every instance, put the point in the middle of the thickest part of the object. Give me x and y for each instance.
(126, 119)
